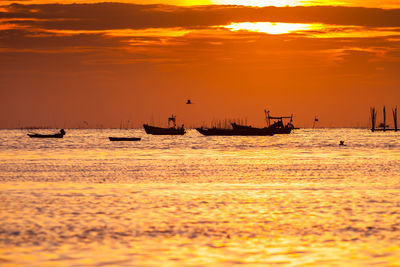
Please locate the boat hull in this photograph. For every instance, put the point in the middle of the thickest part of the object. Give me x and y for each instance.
(124, 138)
(163, 131)
(235, 132)
(216, 131)
(46, 135)
(275, 130)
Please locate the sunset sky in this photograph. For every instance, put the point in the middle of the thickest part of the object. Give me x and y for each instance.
(86, 63)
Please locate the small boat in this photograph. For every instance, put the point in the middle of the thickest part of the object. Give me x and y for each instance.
(124, 138)
(277, 127)
(35, 135)
(216, 131)
(56, 135)
(174, 130)
(239, 131)
(163, 131)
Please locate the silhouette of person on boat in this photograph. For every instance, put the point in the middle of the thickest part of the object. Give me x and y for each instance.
(172, 120)
(278, 124)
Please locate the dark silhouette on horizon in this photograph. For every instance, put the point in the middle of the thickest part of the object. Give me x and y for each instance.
(56, 135)
(124, 138)
(276, 127)
(383, 126)
(171, 130)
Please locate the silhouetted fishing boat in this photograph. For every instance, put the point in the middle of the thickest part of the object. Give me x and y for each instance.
(165, 131)
(56, 135)
(277, 127)
(124, 138)
(46, 135)
(241, 131)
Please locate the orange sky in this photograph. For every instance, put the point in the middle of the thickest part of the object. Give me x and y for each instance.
(104, 63)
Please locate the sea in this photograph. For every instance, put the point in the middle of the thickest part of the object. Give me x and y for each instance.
(284, 200)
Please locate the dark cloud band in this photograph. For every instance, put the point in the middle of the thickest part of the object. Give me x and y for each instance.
(107, 16)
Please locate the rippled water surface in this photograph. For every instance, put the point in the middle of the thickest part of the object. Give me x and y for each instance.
(298, 199)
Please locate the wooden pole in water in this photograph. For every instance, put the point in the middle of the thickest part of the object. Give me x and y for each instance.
(384, 118)
(395, 118)
(373, 118)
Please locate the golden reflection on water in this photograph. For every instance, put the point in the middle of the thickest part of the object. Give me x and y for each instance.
(198, 224)
(297, 199)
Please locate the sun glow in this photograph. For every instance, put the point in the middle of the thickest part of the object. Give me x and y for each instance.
(259, 3)
(315, 30)
(271, 28)
(280, 3)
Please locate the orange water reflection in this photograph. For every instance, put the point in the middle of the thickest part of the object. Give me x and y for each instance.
(199, 224)
(297, 199)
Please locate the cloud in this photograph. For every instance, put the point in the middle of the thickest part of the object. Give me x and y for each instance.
(104, 16)
(19, 39)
